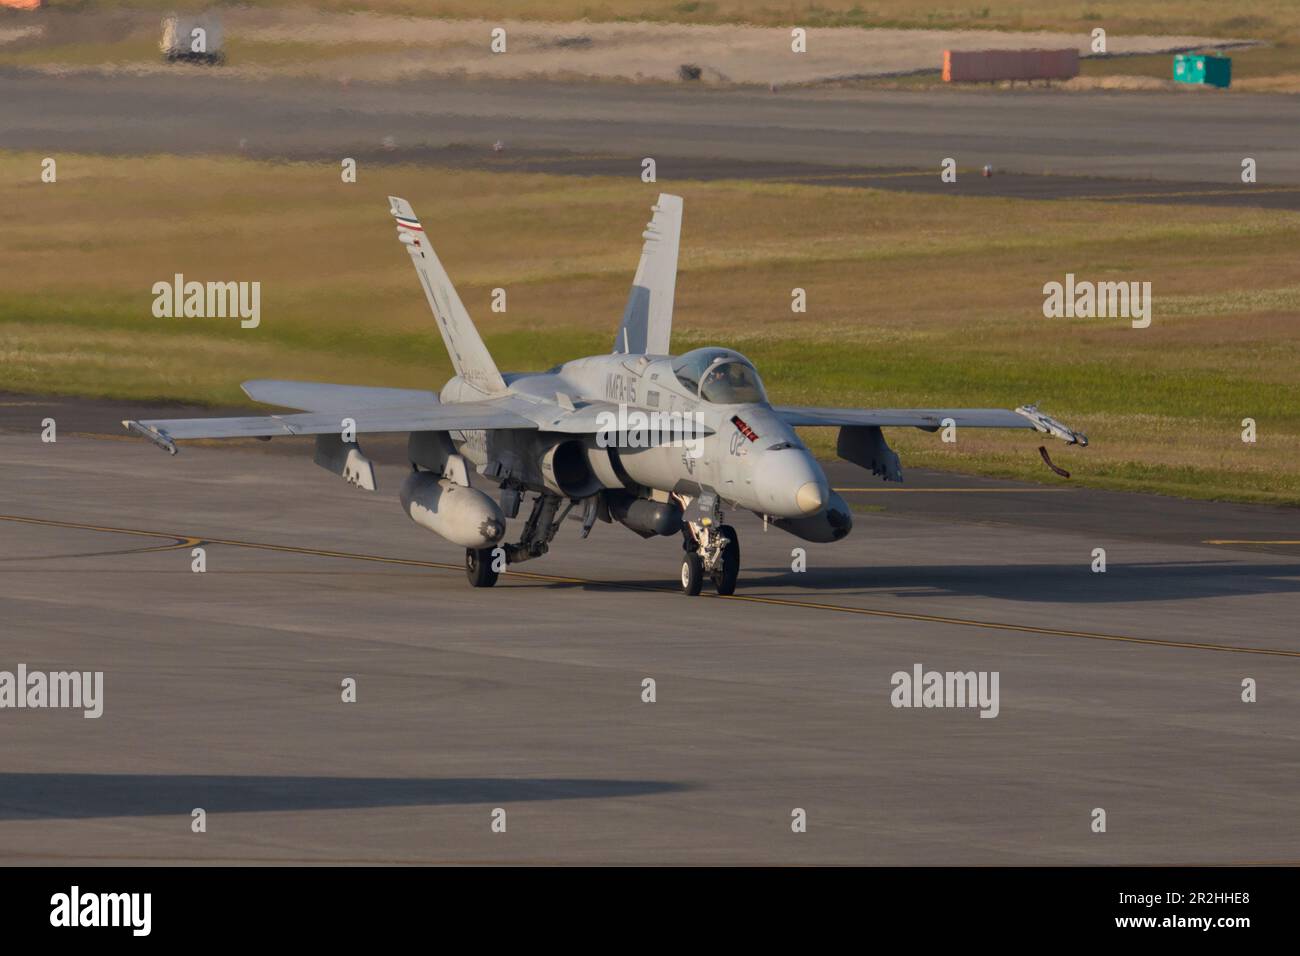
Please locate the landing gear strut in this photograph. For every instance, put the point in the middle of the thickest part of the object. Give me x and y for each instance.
(482, 565)
(712, 551)
(542, 524)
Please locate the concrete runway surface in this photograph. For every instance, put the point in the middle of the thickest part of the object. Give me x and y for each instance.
(222, 690)
(1056, 141)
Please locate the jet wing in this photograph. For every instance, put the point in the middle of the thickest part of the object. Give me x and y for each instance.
(393, 418)
(932, 419)
(326, 397)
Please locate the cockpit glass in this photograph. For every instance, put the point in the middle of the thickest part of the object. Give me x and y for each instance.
(719, 376)
(731, 383)
(689, 368)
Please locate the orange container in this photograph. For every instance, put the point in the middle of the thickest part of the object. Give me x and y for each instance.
(985, 66)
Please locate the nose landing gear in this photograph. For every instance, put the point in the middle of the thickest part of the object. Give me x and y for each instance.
(712, 551)
(728, 563)
(692, 573)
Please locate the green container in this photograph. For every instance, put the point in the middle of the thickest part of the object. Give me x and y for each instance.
(1199, 68)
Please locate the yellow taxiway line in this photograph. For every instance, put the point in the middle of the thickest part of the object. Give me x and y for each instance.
(1244, 541)
(972, 491)
(183, 540)
(1194, 193)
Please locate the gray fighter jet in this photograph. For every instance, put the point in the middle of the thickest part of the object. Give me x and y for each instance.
(661, 444)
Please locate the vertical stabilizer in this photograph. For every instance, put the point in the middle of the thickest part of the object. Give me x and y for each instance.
(468, 354)
(648, 318)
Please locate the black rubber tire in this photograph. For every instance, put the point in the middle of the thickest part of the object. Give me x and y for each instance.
(724, 579)
(692, 573)
(478, 567)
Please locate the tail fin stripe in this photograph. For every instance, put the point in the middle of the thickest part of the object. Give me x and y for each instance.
(469, 356)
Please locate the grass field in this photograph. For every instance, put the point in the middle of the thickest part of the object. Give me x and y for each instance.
(1272, 19)
(913, 300)
(103, 33)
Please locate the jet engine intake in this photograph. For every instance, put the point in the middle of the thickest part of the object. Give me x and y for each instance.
(565, 470)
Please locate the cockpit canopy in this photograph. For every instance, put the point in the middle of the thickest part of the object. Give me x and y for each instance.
(720, 376)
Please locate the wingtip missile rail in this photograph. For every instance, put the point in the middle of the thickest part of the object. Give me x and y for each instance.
(1049, 425)
(158, 437)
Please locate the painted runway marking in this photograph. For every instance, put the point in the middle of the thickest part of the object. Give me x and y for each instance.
(1194, 193)
(178, 545)
(973, 491)
(1243, 541)
(848, 174)
(185, 540)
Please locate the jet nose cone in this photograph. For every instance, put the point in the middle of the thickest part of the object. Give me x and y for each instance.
(809, 498)
(788, 483)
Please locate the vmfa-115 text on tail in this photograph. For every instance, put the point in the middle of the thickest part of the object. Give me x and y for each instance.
(662, 444)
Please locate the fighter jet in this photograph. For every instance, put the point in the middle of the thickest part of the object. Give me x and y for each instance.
(661, 444)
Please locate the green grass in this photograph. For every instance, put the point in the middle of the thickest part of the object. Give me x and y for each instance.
(84, 53)
(1264, 68)
(914, 300)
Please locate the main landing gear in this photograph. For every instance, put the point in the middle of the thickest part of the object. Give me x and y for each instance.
(483, 566)
(479, 568)
(712, 550)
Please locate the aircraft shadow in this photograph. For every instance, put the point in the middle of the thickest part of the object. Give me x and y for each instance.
(1048, 583)
(71, 796)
